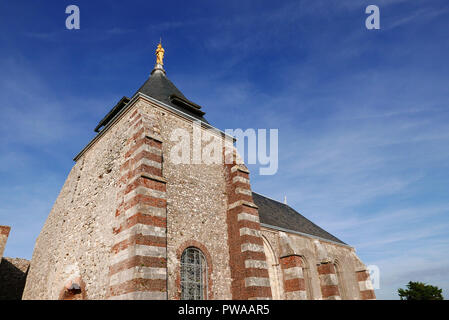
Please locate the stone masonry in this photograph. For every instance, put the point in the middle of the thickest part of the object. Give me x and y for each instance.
(127, 212)
(4, 233)
(248, 266)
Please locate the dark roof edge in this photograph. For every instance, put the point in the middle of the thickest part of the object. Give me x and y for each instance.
(128, 106)
(122, 102)
(271, 199)
(187, 100)
(189, 105)
(304, 234)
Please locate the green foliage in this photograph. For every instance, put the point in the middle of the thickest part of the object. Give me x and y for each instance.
(420, 291)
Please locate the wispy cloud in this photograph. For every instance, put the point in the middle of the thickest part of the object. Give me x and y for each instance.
(421, 15)
(362, 116)
(359, 151)
(43, 35)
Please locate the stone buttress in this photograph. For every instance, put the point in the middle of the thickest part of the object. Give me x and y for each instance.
(328, 281)
(365, 285)
(294, 283)
(139, 255)
(250, 279)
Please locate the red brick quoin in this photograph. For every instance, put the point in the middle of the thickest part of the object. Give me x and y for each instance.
(244, 242)
(327, 290)
(141, 221)
(365, 293)
(4, 230)
(294, 283)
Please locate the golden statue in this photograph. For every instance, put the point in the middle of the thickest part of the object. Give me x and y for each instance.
(160, 54)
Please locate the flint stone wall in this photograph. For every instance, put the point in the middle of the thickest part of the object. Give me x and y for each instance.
(77, 237)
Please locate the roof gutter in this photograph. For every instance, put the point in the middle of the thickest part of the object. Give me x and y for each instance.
(304, 234)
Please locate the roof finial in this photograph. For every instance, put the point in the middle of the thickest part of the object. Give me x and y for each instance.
(160, 54)
(159, 58)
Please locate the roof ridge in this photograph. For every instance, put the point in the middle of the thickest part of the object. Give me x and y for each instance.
(273, 200)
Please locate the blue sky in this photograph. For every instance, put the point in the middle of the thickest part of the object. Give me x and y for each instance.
(363, 115)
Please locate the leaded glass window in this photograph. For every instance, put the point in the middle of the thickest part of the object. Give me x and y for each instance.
(193, 275)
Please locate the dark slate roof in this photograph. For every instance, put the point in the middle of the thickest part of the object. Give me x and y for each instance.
(281, 215)
(116, 109)
(159, 87)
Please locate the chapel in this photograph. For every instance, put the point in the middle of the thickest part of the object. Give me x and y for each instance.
(129, 223)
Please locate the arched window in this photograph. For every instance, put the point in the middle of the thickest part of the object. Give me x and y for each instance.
(193, 275)
(273, 271)
(341, 284)
(307, 278)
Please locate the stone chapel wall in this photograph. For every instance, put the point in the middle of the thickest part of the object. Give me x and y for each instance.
(318, 269)
(76, 240)
(196, 210)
